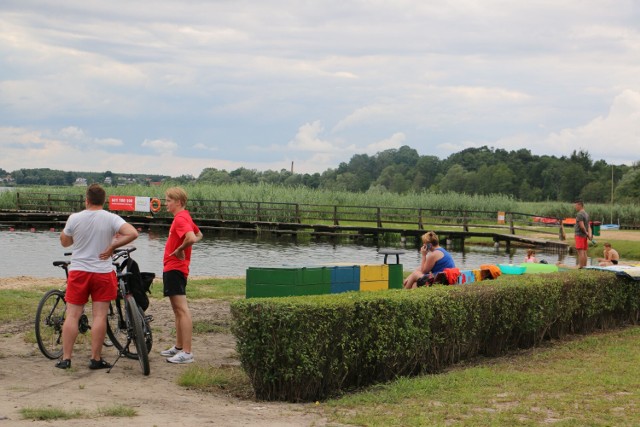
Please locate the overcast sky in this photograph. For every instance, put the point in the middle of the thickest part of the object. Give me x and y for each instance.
(172, 87)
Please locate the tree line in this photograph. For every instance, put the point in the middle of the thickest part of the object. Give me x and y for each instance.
(481, 171)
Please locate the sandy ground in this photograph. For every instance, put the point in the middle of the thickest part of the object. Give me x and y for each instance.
(28, 379)
(618, 235)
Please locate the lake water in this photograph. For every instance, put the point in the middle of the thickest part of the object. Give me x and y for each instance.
(25, 253)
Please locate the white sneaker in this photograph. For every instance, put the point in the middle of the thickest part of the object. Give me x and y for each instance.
(170, 352)
(181, 357)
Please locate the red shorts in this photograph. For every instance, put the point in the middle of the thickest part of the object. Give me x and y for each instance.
(581, 243)
(102, 287)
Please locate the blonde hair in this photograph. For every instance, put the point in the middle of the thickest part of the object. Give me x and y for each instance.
(430, 237)
(177, 193)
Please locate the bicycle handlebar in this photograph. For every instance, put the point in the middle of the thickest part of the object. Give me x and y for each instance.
(122, 252)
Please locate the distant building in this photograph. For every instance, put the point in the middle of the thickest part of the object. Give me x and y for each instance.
(108, 180)
(126, 180)
(80, 182)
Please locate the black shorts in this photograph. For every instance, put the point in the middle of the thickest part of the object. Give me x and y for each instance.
(614, 261)
(174, 283)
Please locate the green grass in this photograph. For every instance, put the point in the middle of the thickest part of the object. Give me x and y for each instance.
(117, 411)
(591, 380)
(49, 414)
(221, 289)
(230, 380)
(18, 305)
(210, 327)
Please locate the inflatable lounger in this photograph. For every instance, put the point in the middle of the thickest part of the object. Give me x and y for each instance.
(621, 270)
(534, 267)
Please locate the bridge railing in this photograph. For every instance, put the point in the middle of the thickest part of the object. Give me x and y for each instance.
(336, 215)
(49, 202)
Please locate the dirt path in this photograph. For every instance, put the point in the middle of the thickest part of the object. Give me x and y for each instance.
(28, 379)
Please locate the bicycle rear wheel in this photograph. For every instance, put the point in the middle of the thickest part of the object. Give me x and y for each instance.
(137, 323)
(49, 320)
(117, 329)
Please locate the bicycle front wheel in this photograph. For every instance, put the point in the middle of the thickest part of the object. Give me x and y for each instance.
(137, 323)
(49, 320)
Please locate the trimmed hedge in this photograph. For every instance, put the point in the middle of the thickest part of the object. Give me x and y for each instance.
(309, 348)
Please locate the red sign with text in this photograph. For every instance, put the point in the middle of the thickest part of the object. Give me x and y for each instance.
(122, 203)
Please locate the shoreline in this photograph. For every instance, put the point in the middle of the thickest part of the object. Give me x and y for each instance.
(26, 282)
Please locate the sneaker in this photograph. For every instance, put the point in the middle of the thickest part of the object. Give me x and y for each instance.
(170, 352)
(99, 364)
(63, 364)
(181, 357)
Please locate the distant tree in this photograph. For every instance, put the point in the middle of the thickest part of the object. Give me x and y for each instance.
(454, 180)
(596, 192)
(393, 179)
(572, 178)
(311, 181)
(502, 180)
(583, 158)
(364, 167)
(214, 176)
(244, 176)
(628, 190)
(346, 181)
(293, 180)
(426, 170)
(551, 179)
(69, 178)
(328, 179)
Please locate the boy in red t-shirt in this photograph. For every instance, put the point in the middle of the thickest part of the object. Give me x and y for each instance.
(177, 257)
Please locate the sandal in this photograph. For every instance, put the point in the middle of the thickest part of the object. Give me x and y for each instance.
(99, 364)
(63, 364)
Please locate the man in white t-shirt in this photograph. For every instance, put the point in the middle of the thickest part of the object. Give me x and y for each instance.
(92, 233)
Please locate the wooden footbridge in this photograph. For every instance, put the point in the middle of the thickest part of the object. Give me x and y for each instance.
(359, 223)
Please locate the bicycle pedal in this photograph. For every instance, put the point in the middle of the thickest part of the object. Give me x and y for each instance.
(148, 318)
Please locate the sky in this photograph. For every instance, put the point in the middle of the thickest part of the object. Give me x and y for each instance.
(173, 87)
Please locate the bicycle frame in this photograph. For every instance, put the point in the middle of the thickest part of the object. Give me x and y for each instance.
(132, 320)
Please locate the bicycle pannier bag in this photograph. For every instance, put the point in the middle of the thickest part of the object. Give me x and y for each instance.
(139, 284)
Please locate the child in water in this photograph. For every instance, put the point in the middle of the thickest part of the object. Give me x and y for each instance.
(531, 256)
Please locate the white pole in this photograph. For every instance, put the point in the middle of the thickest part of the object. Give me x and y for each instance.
(611, 195)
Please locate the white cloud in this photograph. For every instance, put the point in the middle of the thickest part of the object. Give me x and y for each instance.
(72, 132)
(201, 146)
(395, 141)
(307, 139)
(161, 146)
(108, 142)
(615, 136)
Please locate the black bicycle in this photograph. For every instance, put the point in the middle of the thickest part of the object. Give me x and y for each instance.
(126, 321)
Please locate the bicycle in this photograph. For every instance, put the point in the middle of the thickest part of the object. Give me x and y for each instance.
(130, 324)
(50, 316)
(126, 320)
